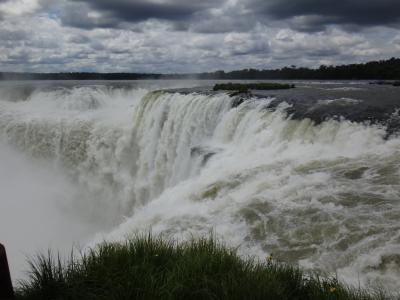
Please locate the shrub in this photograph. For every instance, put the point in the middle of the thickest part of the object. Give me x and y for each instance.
(148, 267)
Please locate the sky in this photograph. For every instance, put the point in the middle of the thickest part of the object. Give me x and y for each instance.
(181, 36)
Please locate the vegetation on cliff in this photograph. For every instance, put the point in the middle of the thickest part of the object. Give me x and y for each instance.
(149, 267)
(245, 87)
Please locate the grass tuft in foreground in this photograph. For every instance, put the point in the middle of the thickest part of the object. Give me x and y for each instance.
(148, 267)
(245, 87)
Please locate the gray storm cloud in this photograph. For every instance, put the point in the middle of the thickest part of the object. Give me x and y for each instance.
(364, 13)
(192, 36)
(357, 12)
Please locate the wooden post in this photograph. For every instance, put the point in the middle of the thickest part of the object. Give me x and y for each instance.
(6, 288)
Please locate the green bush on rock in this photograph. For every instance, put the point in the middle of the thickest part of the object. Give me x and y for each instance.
(148, 267)
(245, 87)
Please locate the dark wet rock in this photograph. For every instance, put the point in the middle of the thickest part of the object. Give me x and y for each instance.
(237, 101)
(204, 152)
(239, 98)
(355, 173)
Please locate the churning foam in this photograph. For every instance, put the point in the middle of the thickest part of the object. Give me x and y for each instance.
(322, 196)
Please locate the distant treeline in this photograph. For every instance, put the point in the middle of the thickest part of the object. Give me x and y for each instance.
(383, 69)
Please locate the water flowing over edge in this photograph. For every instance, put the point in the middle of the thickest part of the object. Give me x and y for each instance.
(324, 196)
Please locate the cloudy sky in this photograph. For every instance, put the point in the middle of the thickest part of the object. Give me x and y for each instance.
(193, 36)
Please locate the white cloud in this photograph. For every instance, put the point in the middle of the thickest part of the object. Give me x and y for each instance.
(396, 42)
(35, 37)
(18, 7)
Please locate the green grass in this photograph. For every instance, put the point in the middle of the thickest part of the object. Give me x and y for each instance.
(148, 267)
(245, 87)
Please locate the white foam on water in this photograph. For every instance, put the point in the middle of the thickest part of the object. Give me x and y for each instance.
(340, 101)
(323, 196)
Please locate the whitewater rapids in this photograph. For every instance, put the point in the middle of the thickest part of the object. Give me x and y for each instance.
(114, 161)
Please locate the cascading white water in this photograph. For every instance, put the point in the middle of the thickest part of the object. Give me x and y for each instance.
(129, 155)
(325, 196)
